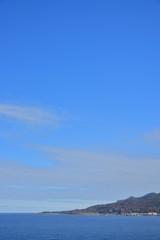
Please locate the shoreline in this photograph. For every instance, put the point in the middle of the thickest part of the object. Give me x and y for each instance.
(99, 214)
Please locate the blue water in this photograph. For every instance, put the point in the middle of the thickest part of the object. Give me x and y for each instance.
(62, 227)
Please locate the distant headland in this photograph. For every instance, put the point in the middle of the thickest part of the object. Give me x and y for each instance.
(147, 205)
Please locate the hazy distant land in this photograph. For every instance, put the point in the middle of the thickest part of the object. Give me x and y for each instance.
(147, 205)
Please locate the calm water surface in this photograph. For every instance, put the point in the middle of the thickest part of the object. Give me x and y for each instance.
(62, 227)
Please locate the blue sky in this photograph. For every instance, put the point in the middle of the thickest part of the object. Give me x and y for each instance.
(79, 102)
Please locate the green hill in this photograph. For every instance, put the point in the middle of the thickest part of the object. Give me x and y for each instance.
(149, 203)
(145, 204)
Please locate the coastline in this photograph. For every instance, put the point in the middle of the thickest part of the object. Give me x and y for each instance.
(101, 214)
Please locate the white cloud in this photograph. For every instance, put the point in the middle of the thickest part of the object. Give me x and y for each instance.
(85, 175)
(153, 137)
(32, 115)
(102, 174)
(39, 188)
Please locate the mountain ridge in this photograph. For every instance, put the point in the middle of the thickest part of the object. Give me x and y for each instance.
(148, 204)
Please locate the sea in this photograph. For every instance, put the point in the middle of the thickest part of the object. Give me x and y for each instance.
(78, 227)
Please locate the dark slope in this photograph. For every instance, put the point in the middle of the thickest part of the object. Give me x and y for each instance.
(145, 204)
(141, 205)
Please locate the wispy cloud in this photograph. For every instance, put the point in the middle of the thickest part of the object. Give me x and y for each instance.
(32, 115)
(39, 188)
(80, 169)
(84, 174)
(153, 137)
